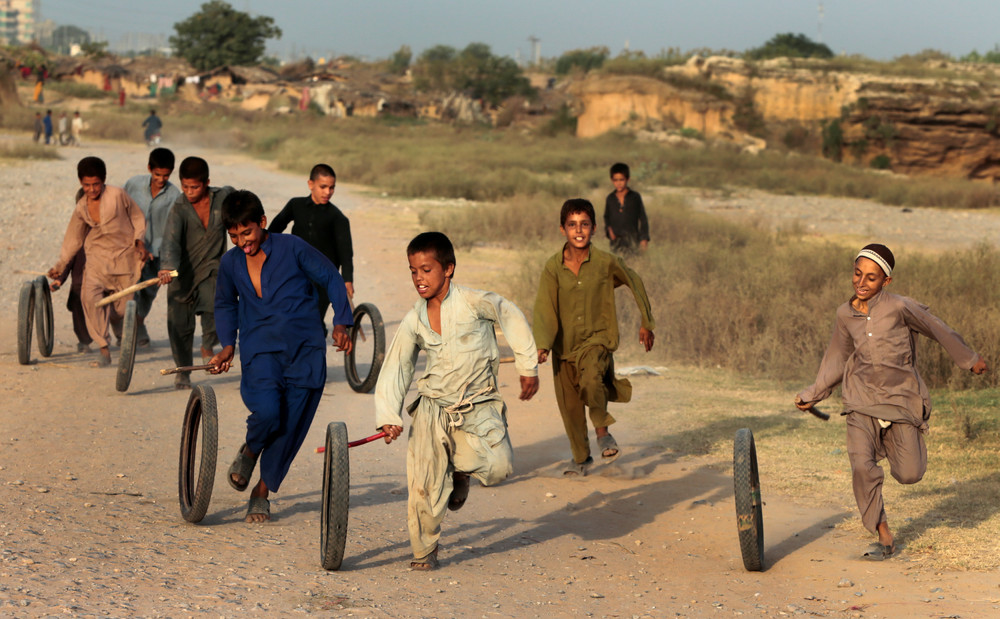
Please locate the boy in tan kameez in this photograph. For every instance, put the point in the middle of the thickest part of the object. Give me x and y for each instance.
(575, 319)
(110, 227)
(886, 403)
(459, 426)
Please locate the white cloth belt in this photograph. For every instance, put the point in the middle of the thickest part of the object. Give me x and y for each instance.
(465, 404)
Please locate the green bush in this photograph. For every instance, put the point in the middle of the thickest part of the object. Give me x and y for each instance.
(833, 140)
(583, 59)
(789, 45)
(474, 71)
(881, 162)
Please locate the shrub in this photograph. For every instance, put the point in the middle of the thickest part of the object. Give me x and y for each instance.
(791, 46)
(583, 59)
(833, 140)
(474, 71)
(881, 162)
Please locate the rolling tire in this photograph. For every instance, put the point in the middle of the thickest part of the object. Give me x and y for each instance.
(749, 512)
(336, 496)
(126, 360)
(25, 315)
(357, 381)
(44, 319)
(199, 452)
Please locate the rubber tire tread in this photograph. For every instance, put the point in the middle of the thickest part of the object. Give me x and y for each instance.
(126, 360)
(44, 318)
(195, 487)
(749, 512)
(367, 383)
(336, 496)
(25, 316)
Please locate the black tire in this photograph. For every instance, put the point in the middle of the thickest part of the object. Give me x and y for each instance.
(336, 497)
(199, 453)
(126, 361)
(44, 319)
(25, 316)
(749, 512)
(363, 365)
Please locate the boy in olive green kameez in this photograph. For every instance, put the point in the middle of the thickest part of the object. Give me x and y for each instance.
(575, 319)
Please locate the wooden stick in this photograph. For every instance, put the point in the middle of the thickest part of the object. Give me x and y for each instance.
(25, 272)
(133, 288)
(506, 359)
(187, 368)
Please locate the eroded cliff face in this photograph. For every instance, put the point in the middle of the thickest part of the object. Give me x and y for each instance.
(915, 126)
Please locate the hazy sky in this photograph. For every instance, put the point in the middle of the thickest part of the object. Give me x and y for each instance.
(373, 29)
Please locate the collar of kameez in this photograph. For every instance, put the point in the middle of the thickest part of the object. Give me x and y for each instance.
(877, 259)
(587, 259)
(871, 303)
(265, 245)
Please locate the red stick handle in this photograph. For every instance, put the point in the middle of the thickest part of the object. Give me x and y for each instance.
(360, 441)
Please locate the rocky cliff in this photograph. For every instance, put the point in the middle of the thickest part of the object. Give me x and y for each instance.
(946, 126)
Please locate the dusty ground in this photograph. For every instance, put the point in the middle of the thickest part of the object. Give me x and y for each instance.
(89, 521)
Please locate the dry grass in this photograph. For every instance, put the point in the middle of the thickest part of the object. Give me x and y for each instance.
(948, 521)
(27, 150)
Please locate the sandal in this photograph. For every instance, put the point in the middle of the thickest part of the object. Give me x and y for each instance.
(459, 491)
(607, 443)
(428, 563)
(878, 552)
(574, 468)
(242, 466)
(258, 505)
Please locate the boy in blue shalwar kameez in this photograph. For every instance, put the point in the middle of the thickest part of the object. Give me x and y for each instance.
(265, 293)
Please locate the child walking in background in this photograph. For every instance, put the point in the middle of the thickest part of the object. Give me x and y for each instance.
(459, 423)
(625, 220)
(886, 403)
(575, 319)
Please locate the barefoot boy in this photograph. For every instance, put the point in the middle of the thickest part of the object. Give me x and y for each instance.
(155, 195)
(886, 403)
(321, 224)
(625, 220)
(110, 228)
(459, 425)
(265, 295)
(575, 319)
(194, 240)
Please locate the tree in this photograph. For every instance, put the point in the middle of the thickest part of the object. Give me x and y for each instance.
(64, 37)
(220, 35)
(790, 46)
(474, 71)
(400, 60)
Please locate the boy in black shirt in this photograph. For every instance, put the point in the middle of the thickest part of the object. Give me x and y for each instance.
(322, 225)
(625, 220)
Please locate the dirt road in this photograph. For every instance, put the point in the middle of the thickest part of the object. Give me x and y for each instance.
(90, 526)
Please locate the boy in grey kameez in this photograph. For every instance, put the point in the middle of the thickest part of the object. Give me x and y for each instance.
(459, 426)
(886, 403)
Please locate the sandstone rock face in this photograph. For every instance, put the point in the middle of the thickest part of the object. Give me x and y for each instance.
(915, 126)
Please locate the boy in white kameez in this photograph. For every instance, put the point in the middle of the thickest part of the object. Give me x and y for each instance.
(459, 426)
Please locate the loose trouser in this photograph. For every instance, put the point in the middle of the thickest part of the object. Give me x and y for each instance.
(579, 386)
(75, 307)
(181, 318)
(324, 304)
(144, 298)
(280, 414)
(435, 450)
(95, 288)
(868, 443)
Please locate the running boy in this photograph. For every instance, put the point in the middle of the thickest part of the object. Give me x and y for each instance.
(155, 195)
(575, 320)
(110, 228)
(321, 224)
(625, 220)
(194, 240)
(886, 403)
(459, 426)
(264, 295)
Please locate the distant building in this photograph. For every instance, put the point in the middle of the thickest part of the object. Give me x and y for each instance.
(17, 21)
